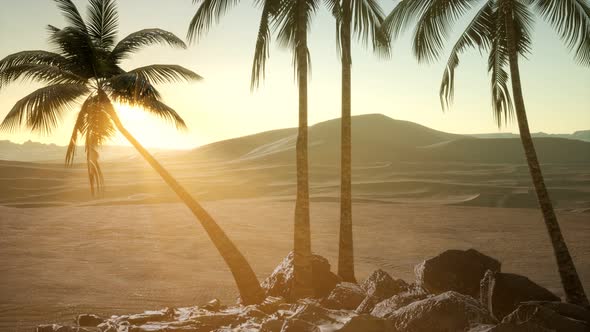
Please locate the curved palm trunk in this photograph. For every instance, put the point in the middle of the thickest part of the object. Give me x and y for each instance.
(574, 291)
(248, 284)
(345, 248)
(301, 232)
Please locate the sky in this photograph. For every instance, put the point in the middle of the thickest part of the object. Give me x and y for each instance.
(556, 89)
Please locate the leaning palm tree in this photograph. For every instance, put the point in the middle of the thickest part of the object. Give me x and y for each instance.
(87, 66)
(363, 17)
(290, 19)
(503, 28)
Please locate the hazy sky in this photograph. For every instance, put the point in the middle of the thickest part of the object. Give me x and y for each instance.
(557, 91)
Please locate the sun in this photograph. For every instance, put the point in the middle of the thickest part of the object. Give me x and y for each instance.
(150, 130)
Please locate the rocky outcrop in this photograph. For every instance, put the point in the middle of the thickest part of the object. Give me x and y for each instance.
(542, 316)
(455, 270)
(449, 311)
(345, 295)
(379, 286)
(280, 281)
(89, 320)
(501, 293)
(387, 307)
(366, 323)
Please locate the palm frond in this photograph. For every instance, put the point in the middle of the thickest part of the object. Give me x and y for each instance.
(103, 22)
(433, 27)
(163, 111)
(477, 35)
(77, 48)
(33, 57)
(42, 109)
(261, 51)
(523, 26)
(571, 19)
(72, 14)
(158, 74)
(401, 17)
(498, 63)
(208, 13)
(367, 20)
(142, 38)
(39, 73)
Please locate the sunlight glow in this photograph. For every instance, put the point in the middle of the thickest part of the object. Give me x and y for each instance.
(150, 130)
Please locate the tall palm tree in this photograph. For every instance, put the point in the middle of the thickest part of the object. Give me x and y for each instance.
(504, 29)
(363, 17)
(87, 66)
(291, 20)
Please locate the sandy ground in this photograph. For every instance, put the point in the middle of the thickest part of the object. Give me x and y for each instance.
(57, 262)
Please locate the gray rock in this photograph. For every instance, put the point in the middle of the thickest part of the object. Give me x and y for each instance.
(382, 286)
(501, 293)
(449, 311)
(272, 325)
(213, 305)
(298, 325)
(280, 281)
(366, 323)
(544, 317)
(455, 270)
(271, 304)
(564, 309)
(89, 320)
(150, 316)
(387, 307)
(345, 295)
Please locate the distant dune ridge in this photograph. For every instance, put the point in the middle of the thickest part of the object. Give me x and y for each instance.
(394, 162)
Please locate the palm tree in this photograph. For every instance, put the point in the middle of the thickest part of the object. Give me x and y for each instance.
(503, 28)
(291, 19)
(365, 18)
(87, 66)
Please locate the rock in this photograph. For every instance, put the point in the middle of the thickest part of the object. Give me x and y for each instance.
(298, 325)
(281, 279)
(501, 293)
(510, 327)
(271, 304)
(385, 308)
(251, 312)
(366, 323)
(382, 286)
(213, 305)
(455, 270)
(345, 295)
(89, 320)
(272, 325)
(149, 316)
(449, 311)
(564, 309)
(544, 317)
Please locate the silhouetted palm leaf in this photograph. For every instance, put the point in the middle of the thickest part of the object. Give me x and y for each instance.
(142, 38)
(103, 22)
(209, 12)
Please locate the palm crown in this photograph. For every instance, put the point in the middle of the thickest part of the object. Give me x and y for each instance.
(87, 65)
(487, 32)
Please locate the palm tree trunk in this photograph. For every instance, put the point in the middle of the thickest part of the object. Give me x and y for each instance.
(303, 278)
(247, 282)
(574, 291)
(345, 248)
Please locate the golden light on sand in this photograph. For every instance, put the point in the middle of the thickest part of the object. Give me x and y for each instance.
(150, 130)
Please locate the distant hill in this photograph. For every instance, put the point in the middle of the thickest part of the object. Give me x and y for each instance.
(377, 138)
(582, 135)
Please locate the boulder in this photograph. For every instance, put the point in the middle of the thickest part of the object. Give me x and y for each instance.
(345, 295)
(366, 323)
(450, 311)
(271, 304)
(213, 305)
(382, 286)
(510, 327)
(455, 270)
(565, 309)
(546, 318)
(387, 307)
(89, 320)
(272, 325)
(501, 293)
(279, 283)
(298, 325)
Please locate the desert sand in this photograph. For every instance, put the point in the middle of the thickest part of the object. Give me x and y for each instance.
(59, 261)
